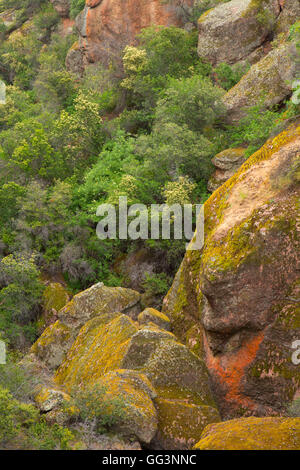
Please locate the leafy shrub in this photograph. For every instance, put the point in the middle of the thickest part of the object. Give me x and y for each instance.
(97, 408)
(157, 284)
(294, 409)
(17, 380)
(255, 128)
(76, 7)
(42, 436)
(194, 102)
(20, 298)
(227, 76)
(22, 428)
(13, 416)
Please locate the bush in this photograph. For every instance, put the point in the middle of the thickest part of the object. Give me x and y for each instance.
(255, 128)
(227, 76)
(194, 102)
(157, 284)
(294, 409)
(96, 408)
(18, 381)
(20, 299)
(76, 7)
(14, 415)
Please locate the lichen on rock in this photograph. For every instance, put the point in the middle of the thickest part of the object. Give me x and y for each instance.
(233, 286)
(252, 434)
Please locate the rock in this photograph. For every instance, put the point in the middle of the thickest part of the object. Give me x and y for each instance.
(75, 59)
(50, 399)
(290, 13)
(150, 315)
(270, 81)
(135, 390)
(106, 27)
(135, 266)
(252, 434)
(100, 300)
(57, 339)
(181, 424)
(113, 341)
(240, 289)
(99, 348)
(55, 297)
(110, 442)
(232, 30)
(226, 163)
(62, 7)
(53, 344)
(175, 372)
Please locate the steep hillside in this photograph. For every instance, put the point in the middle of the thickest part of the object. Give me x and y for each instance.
(130, 343)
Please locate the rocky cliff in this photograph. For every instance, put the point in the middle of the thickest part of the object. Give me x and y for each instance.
(237, 301)
(105, 27)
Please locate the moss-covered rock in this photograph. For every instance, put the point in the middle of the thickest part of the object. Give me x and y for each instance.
(289, 14)
(226, 163)
(252, 434)
(171, 367)
(53, 344)
(181, 424)
(99, 348)
(231, 31)
(99, 300)
(57, 339)
(136, 392)
(147, 355)
(269, 81)
(236, 291)
(49, 399)
(55, 297)
(151, 315)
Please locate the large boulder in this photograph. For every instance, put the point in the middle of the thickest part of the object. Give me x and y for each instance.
(181, 424)
(98, 300)
(252, 434)
(99, 348)
(233, 30)
(136, 392)
(226, 164)
(151, 315)
(240, 291)
(106, 27)
(269, 81)
(290, 12)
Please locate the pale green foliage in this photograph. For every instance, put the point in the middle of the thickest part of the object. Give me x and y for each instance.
(97, 408)
(20, 296)
(13, 416)
(294, 409)
(193, 101)
(179, 192)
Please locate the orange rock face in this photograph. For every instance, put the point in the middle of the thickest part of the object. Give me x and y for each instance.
(242, 290)
(107, 26)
